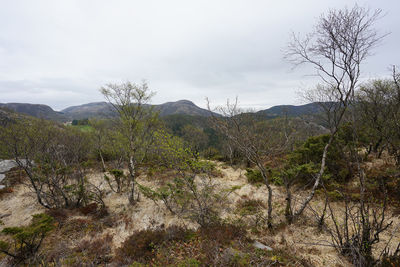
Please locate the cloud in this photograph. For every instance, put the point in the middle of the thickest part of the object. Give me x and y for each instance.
(60, 52)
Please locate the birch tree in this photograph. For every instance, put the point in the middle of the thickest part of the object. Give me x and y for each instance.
(341, 41)
(136, 122)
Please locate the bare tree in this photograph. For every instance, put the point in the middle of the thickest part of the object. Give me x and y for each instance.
(340, 43)
(258, 141)
(137, 122)
(357, 227)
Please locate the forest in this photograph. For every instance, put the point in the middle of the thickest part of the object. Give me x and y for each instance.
(235, 188)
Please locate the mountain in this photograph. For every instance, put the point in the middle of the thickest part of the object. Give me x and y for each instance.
(291, 111)
(35, 110)
(105, 110)
(90, 110)
(183, 107)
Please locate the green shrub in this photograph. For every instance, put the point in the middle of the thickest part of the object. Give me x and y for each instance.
(254, 176)
(249, 206)
(338, 163)
(189, 263)
(26, 240)
(335, 195)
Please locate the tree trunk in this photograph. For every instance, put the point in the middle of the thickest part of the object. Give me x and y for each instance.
(32, 180)
(288, 209)
(266, 181)
(317, 179)
(131, 167)
(269, 217)
(102, 161)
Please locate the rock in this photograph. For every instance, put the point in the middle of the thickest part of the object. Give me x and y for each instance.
(2, 176)
(6, 165)
(261, 246)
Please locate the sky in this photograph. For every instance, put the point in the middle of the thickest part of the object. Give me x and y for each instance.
(60, 53)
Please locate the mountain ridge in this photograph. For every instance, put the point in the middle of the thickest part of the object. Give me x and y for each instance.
(183, 107)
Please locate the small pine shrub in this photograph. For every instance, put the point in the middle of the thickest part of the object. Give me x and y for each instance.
(254, 176)
(249, 206)
(26, 241)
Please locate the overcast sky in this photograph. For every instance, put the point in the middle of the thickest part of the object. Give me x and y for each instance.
(60, 53)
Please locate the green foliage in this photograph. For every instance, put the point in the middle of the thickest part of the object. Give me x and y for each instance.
(84, 128)
(378, 110)
(191, 191)
(195, 138)
(119, 178)
(172, 153)
(254, 176)
(27, 240)
(189, 263)
(299, 173)
(59, 155)
(307, 157)
(80, 122)
(188, 198)
(249, 206)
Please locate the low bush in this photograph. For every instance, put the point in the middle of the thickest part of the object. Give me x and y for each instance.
(249, 206)
(141, 246)
(254, 176)
(222, 233)
(89, 209)
(190, 197)
(25, 241)
(60, 215)
(94, 252)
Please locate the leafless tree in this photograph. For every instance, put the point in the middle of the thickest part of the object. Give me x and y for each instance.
(258, 141)
(357, 227)
(341, 41)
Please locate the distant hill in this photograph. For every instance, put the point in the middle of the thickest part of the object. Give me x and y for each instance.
(35, 110)
(105, 110)
(90, 110)
(291, 111)
(183, 107)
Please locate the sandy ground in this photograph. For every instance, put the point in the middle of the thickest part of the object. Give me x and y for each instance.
(300, 238)
(17, 208)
